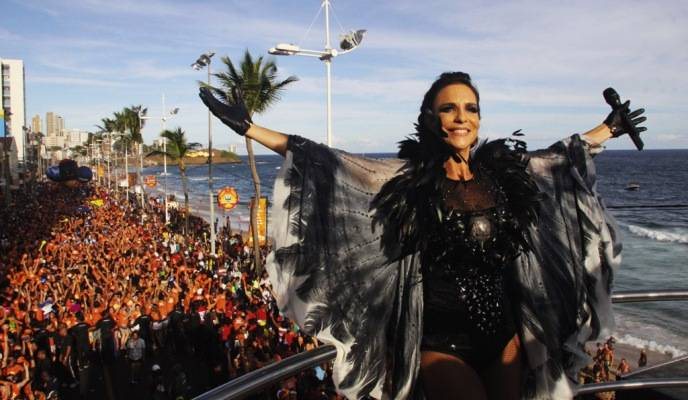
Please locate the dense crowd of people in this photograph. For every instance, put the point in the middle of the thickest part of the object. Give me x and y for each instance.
(98, 304)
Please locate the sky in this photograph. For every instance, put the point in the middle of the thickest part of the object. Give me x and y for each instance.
(540, 66)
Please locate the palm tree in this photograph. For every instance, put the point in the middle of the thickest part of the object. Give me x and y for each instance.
(80, 151)
(257, 79)
(107, 127)
(124, 140)
(177, 148)
(129, 122)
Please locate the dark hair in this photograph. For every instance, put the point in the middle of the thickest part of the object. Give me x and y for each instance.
(428, 127)
(444, 80)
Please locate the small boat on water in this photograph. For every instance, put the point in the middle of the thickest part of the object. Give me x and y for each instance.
(633, 186)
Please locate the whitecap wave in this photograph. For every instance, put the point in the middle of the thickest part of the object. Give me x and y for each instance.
(660, 236)
(651, 345)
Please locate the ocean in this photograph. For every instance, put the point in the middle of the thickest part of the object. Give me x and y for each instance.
(655, 240)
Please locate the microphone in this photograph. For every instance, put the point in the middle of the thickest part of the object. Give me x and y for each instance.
(612, 98)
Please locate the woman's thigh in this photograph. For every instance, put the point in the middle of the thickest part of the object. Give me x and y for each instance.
(445, 376)
(507, 372)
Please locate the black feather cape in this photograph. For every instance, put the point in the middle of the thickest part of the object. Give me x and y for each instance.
(349, 273)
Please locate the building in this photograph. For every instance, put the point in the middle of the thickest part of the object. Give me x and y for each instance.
(52, 142)
(159, 143)
(8, 152)
(54, 124)
(50, 124)
(36, 124)
(59, 125)
(74, 137)
(198, 153)
(13, 115)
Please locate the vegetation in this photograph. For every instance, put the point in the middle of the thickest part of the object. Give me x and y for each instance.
(125, 126)
(219, 157)
(260, 88)
(177, 149)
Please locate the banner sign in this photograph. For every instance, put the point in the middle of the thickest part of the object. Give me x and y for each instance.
(262, 221)
(2, 111)
(131, 182)
(2, 121)
(227, 198)
(150, 181)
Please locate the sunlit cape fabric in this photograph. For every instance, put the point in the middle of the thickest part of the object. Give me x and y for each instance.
(330, 273)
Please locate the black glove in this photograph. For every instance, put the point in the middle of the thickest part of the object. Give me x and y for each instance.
(234, 116)
(622, 120)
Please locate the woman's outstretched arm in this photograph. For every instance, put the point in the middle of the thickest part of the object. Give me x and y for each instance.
(273, 140)
(236, 117)
(597, 135)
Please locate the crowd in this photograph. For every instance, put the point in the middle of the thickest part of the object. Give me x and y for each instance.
(606, 368)
(96, 303)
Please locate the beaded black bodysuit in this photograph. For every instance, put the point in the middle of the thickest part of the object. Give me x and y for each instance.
(466, 272)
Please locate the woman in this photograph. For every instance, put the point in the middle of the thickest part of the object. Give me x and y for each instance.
(461, 264)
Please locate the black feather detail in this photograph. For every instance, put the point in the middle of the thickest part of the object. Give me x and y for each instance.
(310, 223)
(409, 206)
(339, 269)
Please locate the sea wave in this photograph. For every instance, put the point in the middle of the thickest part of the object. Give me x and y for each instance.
(660, 236)
(651, 345)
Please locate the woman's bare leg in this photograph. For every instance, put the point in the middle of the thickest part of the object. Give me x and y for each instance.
(506, 372)
(448, 377)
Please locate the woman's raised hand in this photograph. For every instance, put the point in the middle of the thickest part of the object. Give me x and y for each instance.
(235, 116)
(622, 120)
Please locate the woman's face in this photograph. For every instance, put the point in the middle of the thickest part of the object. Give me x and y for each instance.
(457, 108)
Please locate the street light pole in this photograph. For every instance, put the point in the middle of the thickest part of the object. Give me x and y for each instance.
(140, 113)
(349, 42)
(328, 67)
(204, 61)
(210, 176)
(164, 162)
(109, 177)
(163, 119)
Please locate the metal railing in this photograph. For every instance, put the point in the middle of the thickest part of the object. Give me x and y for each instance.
(632, 385)
(269, 375)
(632, 296)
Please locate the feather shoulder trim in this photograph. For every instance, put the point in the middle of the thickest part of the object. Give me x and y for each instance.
(410, 205)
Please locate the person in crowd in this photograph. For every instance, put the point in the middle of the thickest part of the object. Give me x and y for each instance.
(607, 359)
(450, 264)
(78, 352)
(642, 360)
(156, 383)
(136, 350)
(623, 368)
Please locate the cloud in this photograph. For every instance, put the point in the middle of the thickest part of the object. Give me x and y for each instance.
(63, 80)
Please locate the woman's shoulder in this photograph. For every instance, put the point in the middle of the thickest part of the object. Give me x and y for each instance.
(501, 152)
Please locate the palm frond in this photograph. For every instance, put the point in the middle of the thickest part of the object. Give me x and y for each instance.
(159, 153)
